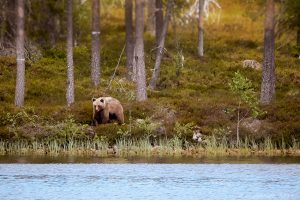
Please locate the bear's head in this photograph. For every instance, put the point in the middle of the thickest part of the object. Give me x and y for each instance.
(99, 104)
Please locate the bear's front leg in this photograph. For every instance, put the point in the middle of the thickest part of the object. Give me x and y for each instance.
(105, 118)
(94, 122)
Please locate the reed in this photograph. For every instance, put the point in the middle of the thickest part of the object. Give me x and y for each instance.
(125, 147)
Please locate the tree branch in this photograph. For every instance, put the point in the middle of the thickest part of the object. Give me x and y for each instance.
(114, 74)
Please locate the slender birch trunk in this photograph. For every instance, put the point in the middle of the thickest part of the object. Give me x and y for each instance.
(298, 36)
(298, 30)
(159, 18)
(238, 127)
(160, 48)
(151, 17)
(70, 67)
(129, 40)
(139, 51)
(20, 80)
(268, 72)
(200, 30)
(95, 68)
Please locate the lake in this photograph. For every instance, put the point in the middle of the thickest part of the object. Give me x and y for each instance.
(136, 180)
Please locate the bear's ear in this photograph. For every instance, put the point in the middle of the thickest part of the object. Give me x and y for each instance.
(102, 100)
(94, 99)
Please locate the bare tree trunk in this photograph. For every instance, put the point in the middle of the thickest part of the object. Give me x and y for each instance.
(151, 17)
(268, 73)
(70, 75)
(159, 18)
(161, 45)
(129, 40)
(139, 51)
(238, 127)
(298, 31)
(200, 29)
(20, 80)
(95, 68)
(298, 36)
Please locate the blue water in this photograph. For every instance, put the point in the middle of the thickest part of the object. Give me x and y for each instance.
(149, 181)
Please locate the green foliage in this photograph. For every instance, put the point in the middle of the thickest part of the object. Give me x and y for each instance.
(179, 61)
(55, 53)
(69, 130)
(44, 21)
(221, 133)
(291, 14)
(14, 120)
(123, 133)
(147, 125)
(243, 87)
(182, 130)
(295, 51)
(23, 116)
(25, 124)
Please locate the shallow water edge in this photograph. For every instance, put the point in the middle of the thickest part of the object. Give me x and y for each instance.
(38, 159)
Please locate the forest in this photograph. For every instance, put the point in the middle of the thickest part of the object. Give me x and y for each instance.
(213, 77)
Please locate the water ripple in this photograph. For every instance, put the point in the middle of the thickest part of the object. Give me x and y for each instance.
(149, 181)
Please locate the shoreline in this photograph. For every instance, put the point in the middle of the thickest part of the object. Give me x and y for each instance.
(150, 159)
(123, 151)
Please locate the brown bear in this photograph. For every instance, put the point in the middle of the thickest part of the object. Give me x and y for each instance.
(107, 109)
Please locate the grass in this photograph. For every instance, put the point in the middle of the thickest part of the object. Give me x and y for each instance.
(142, 147)
(200, 95)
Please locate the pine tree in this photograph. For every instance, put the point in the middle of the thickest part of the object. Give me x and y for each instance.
(161, 45)
(20, 80)
(95, 68)
(129, 40)
(200, 29)
(70, 67)
(139, 51)
(268, 73)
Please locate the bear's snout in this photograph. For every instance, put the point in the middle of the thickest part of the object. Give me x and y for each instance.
(98, 108)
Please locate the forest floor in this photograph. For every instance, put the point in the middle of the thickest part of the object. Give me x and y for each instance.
(193, 96)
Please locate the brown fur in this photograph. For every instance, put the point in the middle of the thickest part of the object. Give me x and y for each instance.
(107, 109)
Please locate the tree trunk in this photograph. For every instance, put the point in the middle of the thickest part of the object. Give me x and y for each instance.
(298, 36)
(139, 51)
(268, 73)
(298, 30)
(20, 80)
(70, 75)
(161, 45)
(200, 29)
(10, 26)
(238, 127)
(151, 17)
(129, 40)
(159, 18)
(95, 68)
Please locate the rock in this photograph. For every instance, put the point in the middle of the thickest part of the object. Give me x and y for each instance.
(197, 136)
(251, 124)
(90, 132)
(112, 149)
(252, 64)
(160, 131)
(170, 117)
(139, 121)
(165, 115)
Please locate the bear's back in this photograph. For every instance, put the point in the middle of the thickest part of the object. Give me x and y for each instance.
(111, 100)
